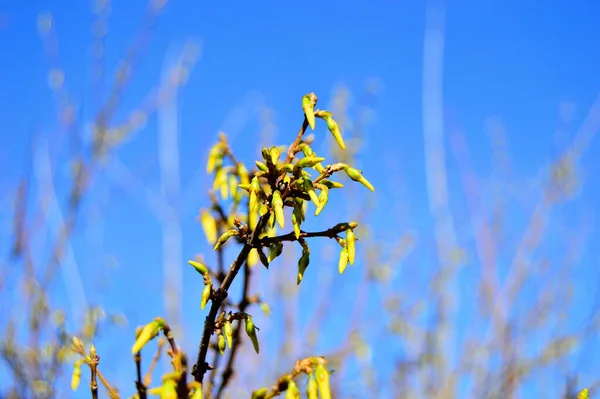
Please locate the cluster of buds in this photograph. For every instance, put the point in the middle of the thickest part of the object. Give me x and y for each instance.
(317, 385)
(258, 200)
(224, 330)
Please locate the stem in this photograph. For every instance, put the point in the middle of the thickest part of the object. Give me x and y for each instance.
(329, 233)
(220, 295)
(141, 388)
(228, 373)
(94, 381)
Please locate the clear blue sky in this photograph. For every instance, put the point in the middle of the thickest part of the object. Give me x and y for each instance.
(514, 60)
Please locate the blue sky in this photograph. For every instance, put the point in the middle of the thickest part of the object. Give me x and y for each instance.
(514, 61)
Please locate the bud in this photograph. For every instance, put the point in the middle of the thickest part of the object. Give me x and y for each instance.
(253, 258)
(197, 387)
(335, 131)
(583, 394)
(303, 263)
(251, 331)
(200, 268)
(278, 207)
(288, 168)
(311, 388)
(228, 332)
(233, 188)
(221, 344)
(205, 295)
(245, 187)
(275, 154)
(343, 262)
(252, 219)
(331, 184)
(275, 250)
(309, 111)
(169, 389)
(296, 222)
(323, 198)
(215, 157)
(310, 190)
(221, 183)
(77, 345)
(156, 391)
(262, 166)
(292, 391)
(76, 376)
(357, 176)
(265, 308)
(224, 237)
(209, 225)
(149, 332)
(266, 154)
(301, 208)
(322, 377)
(254, 190)
(260, 393)
(309, 162)
(243, 173)
(350, 240)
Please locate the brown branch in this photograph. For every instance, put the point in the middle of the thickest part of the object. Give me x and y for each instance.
(329, 233)
(228, 372)
(94, 370)
(139, 385)
(169, 336)
(218, 297)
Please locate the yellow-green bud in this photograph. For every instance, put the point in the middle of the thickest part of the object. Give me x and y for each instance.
(205, 295)
(350, 240)
(275, 250)
(251, 332)
(228, 332)
(309, 111)
(277, 203)
(221, 344)
(343, 262)
(224, 237)
(200, 268)
(357, 176)
(262, 166)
